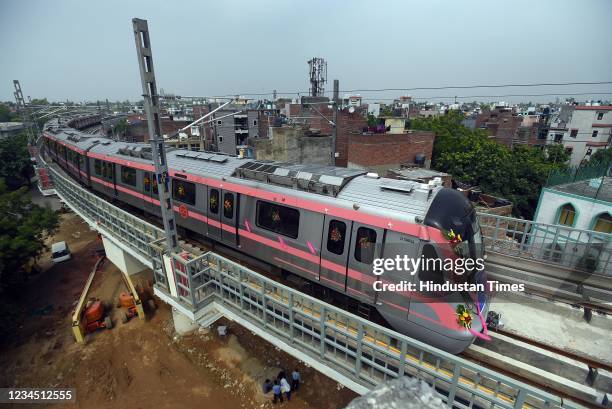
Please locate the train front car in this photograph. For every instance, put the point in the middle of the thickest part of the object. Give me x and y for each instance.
(442, 308)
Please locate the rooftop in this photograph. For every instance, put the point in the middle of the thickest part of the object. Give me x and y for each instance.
(597, 188)
(9, 126)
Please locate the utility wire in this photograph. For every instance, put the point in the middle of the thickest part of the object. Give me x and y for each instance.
(541, 84)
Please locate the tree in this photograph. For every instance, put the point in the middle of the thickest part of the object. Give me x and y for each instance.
(602, 156)
(15, 164)
(6, 115)
(516, 173)
(40, 101)
(23, 227)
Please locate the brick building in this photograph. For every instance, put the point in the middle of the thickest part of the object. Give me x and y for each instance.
(382, 152)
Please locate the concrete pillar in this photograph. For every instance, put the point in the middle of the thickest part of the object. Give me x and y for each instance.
(182, 324)
(169, 269)
(127, 263)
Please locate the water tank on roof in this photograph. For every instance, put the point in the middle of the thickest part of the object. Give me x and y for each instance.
(419, 159)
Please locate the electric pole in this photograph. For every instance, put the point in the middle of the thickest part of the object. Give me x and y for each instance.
(151, 105)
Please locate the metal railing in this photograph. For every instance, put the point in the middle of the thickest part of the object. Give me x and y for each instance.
(131, 231)
(353, 346)
(357, 348)
(585, 250)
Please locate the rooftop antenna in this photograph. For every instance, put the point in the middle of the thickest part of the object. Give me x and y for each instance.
(318, 76)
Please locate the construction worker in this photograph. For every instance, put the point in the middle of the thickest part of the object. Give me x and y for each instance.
(278, 395)
(267, 386)
(285, 388)
(295, 380)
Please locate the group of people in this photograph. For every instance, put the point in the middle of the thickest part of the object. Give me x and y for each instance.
(281, 386)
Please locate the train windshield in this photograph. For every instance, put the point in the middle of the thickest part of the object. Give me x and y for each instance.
(450, 210)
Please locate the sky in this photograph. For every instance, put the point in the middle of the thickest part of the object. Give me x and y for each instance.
(84, 50)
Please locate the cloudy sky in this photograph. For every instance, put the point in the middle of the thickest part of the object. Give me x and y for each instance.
(84, 50)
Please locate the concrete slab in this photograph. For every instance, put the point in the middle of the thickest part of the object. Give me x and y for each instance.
(556, 324)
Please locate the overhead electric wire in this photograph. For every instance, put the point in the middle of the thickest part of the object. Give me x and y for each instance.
(541, 84)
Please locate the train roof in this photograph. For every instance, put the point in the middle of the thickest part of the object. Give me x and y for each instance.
(410, 199)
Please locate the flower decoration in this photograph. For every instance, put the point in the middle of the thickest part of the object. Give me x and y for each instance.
(335, 235)
(464, 318)
(213, 202)
(181, 190)
(227, 204)
(453, 237)
(147, 181)
(276, 216)
(364, 242)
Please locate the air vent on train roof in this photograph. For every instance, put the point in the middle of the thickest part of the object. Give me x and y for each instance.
(324, 180)
(402, 186)
(204, 156)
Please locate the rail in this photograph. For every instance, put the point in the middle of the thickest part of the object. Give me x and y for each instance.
(588, 251)
(343, 343)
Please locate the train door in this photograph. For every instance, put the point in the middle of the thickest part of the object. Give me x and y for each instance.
(150, 193)
(405, 248)
(229, 212)
(214, 213)
(365, 246)
(334, 252)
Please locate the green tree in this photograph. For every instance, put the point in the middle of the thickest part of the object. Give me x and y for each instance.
(15, 164)
(602, 156)
(121, 127)
(40, 101)
(516, 174)
(6, 115)
(23, 227)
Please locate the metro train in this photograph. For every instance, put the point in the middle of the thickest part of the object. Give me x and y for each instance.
(324, 224)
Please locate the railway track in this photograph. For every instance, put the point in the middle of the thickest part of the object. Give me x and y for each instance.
(592, 293)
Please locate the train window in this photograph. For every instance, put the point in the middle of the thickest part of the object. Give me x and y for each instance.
(365, 245)
(128, 175)
(149, 180)
(431, 266)
(98, 167)
(183, 191)
(146, 181)
(228, 205)
(213, 203)
(335, 237)
(279, 219)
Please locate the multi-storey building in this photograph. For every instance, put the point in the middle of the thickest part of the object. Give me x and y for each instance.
(582, 129)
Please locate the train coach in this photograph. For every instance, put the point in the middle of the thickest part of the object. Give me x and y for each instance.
(326, 225)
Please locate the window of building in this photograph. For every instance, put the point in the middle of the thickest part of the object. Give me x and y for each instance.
(567, 214)
(219, 122)
(600, 116)
(213, 202)
(98, 167)
(603, 223)
(254, 122)
(574, 133)
(336, 234)
(228, 205)
(128, 175)
(183, 191)
(365, 245)
(595, 133)
(220, 138)
(279, 219)
(558, 137)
